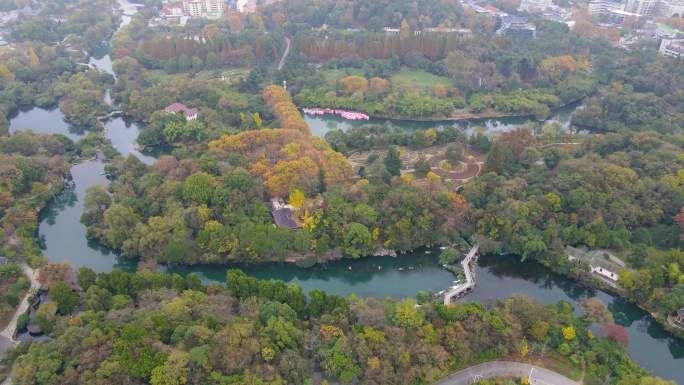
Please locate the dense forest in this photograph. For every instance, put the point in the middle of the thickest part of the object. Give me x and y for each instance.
(151, 328)
(210, 207)
(243, 42)
(614, 191)
(33, 169)
(464, 74)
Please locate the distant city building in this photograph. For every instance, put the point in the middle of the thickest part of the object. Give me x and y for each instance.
(517, 27)
(211, 9)
(460, 32)
(672, 47)
(601, 8)
(171, 14)
(251, 6)
(190, 113)
(640, 7)
(670, 8)
(534, 5)
(618, 16)
(179, 12)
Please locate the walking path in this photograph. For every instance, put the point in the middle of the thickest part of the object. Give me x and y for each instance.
(287, 52)
(7, 335)
(457, 290)
(506, 369)
(11, 328)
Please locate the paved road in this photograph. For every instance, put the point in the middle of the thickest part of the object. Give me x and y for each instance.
(498, 369)
(287, 52)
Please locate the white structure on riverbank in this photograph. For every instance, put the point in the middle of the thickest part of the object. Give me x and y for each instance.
(602, 263)
(605, 273)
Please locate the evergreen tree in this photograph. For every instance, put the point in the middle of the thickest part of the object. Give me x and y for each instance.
(393, 162)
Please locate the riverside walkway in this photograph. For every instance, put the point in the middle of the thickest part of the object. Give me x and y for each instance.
(506, 369)
(458, 290)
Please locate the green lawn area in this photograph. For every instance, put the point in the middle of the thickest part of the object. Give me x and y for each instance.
(156, 76)
(667, 28)
(411, 78)
(404, 78)
(331, 75)
(230, 74)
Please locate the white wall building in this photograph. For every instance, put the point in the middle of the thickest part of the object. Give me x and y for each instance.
(603, 7)
(605, 273)
(212, 9)
(672, 48)
(670, 8)
(641, 7)
(532, 5)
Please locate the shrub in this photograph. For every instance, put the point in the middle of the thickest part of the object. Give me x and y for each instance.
(22, 322)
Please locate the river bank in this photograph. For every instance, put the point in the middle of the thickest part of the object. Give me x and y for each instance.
(470, 116)
(589, 280)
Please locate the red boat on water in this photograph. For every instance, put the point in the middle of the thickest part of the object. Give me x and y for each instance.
(349, 115)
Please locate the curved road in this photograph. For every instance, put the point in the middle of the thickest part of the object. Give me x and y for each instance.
(503, 369)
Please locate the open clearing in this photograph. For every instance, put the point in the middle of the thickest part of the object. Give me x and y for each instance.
(471, 165)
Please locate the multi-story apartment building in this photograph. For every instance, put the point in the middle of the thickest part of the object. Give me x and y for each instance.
(641, 7)
(533, 5)
(672, 47)
(204, 8)
(670, 8)
(603, 7)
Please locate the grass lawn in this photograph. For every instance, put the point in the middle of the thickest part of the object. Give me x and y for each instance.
(404, 78)
(230, 75)
(412, 79)
(560, 364)
(331, 75)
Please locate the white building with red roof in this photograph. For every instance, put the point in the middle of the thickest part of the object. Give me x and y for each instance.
(190, 113)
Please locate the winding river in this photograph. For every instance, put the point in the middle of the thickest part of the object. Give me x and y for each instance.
(63, 239)
(320, 125)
